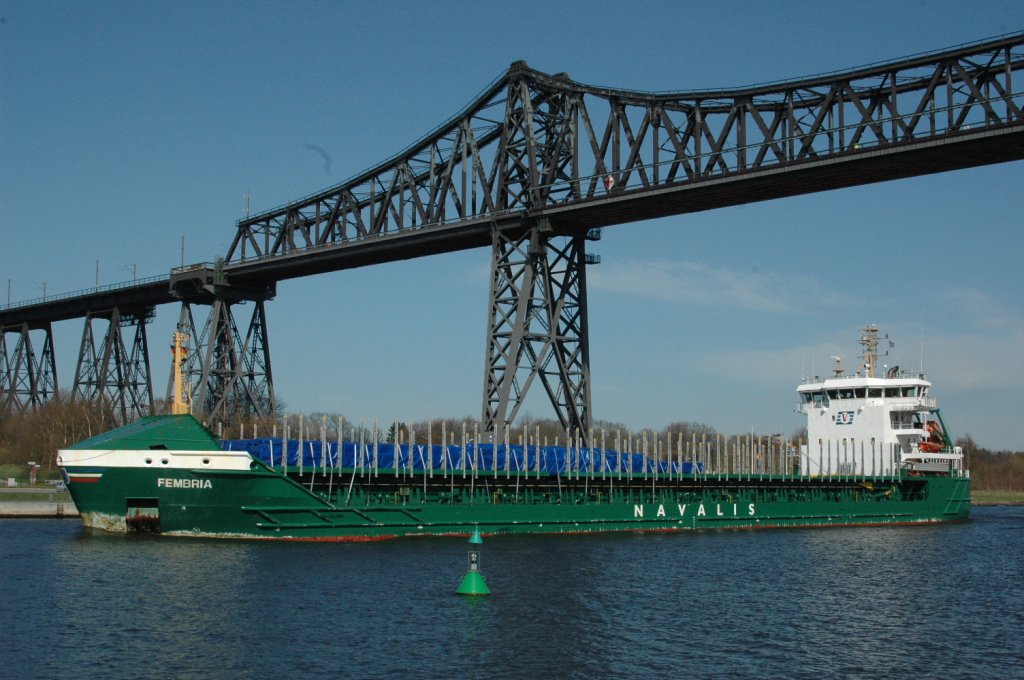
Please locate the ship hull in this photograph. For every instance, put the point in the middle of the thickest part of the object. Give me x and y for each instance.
(264, 503)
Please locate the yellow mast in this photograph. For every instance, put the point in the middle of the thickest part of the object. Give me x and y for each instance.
(181, 398)
(869, 341)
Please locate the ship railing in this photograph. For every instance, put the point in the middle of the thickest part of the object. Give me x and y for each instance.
(900, 404)
(945, 454)
(903, 427)
(913, 403)
(899, 375)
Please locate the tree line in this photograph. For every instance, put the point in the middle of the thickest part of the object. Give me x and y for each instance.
(37, 434)
(993, 470)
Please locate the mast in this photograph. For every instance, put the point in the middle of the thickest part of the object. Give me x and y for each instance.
(869, 341)
(181, 399)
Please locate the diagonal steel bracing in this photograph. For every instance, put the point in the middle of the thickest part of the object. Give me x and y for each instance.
(115, 371)
(596, 156)
(229, 374)
(534, 147)
(28, 380)
(5, 372)
(537, 328)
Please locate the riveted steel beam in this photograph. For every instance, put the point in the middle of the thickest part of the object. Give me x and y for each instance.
(536, 148)
(115, 371)
(534, 144)
(28, 378)
(537, 328)
(228, 374)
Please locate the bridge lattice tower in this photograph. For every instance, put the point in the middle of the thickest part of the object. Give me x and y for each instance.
(536, 163)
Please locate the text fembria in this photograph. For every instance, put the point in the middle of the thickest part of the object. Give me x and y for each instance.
(718, 510)
(173, 483)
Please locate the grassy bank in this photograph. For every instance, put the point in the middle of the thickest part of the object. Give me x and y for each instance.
(979, 497)
(19, 472)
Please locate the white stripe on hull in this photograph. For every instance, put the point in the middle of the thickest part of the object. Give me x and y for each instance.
(156, 459)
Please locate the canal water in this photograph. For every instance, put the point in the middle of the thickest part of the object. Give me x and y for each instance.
(935, 601)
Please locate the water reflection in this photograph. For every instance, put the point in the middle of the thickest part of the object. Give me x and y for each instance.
(933, 601)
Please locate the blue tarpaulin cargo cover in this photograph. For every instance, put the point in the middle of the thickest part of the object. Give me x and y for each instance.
(551, 460)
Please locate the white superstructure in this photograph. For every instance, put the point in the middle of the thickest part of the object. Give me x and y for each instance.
(862, 425)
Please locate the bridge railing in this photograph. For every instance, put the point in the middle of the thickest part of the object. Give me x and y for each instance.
(196, 266)
(83, 292)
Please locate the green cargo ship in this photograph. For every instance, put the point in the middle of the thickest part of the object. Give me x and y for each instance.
(876, 454)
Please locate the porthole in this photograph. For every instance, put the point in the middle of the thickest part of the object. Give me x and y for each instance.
(149, 461)
(206, 461)
(163, 461)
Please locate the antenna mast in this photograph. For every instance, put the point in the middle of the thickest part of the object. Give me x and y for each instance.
(869, 341)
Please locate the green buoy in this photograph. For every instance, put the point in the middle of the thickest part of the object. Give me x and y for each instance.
(473, 583)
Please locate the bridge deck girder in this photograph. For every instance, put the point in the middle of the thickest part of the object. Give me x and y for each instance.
(536, 148)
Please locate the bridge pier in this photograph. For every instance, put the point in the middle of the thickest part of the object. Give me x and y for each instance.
(112, 371)
(537, 327)
(25, 380)
(229, 373)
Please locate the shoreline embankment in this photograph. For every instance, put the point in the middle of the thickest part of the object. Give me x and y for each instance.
(37, 509)
(36, 502)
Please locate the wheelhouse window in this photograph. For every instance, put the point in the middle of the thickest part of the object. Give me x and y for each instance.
(901, 420)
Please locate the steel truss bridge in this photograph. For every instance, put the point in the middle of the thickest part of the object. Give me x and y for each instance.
(533, 168)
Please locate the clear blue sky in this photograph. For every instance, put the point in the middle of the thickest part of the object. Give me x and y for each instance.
(127, 125)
